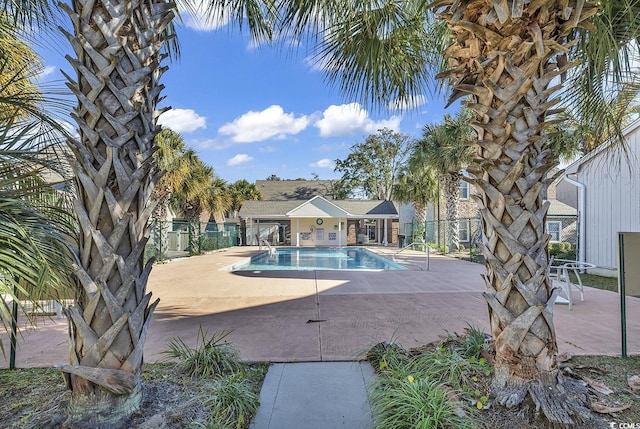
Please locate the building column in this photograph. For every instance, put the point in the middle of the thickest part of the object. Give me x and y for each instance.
(258, 233)
(339, 231)
(385, 232)
(297, 232)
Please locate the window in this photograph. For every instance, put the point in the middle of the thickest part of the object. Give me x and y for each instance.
(464, 190)
(463, 231)
(554, 229)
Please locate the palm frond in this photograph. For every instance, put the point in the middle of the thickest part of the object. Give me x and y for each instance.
(382, 52)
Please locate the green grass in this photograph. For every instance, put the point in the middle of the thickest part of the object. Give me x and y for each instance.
(613, 372)
(595, 281)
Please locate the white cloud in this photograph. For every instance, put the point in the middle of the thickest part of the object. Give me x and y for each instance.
(196, 17)
(348, 119)
(323, 163)
(241, 158)
(316, 63)
(182, 120)
(267, 149)
(408, 103)
(47, 71)
(270, 123)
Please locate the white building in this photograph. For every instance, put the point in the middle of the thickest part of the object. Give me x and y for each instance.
(608, 183)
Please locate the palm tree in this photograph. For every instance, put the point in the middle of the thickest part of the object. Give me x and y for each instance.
(118, 65)
(176, 161)
(445, 148)
(36, 227)
(201, 193)
(508, 65)
(506, 59)
(241, 191)
(119, 48)
(417, 183)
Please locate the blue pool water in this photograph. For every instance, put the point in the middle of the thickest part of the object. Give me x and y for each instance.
(318, 258)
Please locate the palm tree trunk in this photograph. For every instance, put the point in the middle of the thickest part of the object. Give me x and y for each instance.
(118, 66)
(159, 216)
(505, 58)
(451, 188)
(420, 213)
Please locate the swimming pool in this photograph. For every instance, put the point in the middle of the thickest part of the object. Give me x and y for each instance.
(318, 258)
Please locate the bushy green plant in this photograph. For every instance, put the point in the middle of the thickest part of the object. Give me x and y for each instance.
(430, 387)
(232, 403)
(563, 250)
(385, 356)
(211, 356)
(473, 343)
(448, 366)
(443, 248)
(414, 403)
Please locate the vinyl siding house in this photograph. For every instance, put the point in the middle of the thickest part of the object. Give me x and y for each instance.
(608, 186)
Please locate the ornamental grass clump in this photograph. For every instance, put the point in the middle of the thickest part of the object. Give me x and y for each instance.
(414, 403)
(212, 355)
(433, 387)
(231, 403)
(229, 396)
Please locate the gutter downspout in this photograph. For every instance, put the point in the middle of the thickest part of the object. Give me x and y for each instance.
(582, 201)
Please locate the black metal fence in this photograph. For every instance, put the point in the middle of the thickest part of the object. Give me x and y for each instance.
(438, 235)
(178, 238)
(441, 235)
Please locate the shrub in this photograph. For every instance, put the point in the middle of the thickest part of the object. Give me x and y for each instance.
(563, 250)
(434, 386)
(211, 356)
(414, 403)
(232, 403)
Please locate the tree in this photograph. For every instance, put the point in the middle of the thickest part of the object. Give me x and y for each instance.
(417, 183)
(200, 193)
(119, 52)
(37, 227)
(374, 164)
(445, 148)
(36, 224)
(508, 66)
(172, 157)
(19, 96)
(241, 191)
(508, 57)
(119, 48)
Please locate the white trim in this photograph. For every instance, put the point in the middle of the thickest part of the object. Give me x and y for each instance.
(574, 167)
(546, 227)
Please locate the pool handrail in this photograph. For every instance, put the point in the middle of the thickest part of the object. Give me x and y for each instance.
(264, 241)
(422, 243)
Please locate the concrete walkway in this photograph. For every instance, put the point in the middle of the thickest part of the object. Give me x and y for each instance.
(315, 395)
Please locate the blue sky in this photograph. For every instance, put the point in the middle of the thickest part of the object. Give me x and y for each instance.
(252, 112)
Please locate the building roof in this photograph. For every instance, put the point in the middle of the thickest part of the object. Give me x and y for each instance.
(353, 208)
(284, 190)
(558, 208)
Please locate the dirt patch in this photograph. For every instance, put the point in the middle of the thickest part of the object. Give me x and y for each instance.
(37, 397)
(607, 380)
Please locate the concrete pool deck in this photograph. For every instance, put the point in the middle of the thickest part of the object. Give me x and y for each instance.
(296, 316)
